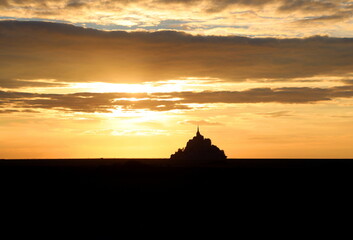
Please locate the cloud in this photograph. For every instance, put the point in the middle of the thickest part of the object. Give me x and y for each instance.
(211, 5)
(327, 18)
(318, 12)
(15, 110)
(86, 102)
(76, 4)
(14, 83)
(219, 5)
(283, 5)
(8, 111)
(277, 114)
(105, 102)
(267, 95)
(310, 5)
(220, 17)
(42, 50)
(348, 81)
(4, 3)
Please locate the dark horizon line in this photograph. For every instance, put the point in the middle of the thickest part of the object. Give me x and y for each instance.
(278, 158)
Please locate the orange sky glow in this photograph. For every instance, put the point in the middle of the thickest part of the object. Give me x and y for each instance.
(133, 79)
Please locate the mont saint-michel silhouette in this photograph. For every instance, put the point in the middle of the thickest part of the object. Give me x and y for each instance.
(199, 148)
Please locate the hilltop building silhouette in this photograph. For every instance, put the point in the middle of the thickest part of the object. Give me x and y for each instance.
(199, 148)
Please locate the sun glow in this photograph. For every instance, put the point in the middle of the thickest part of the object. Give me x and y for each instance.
(188, 84)
(127, 88)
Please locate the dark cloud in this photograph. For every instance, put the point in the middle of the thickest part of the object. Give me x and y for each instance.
(265, 95)
(42, 50)
(6, 96)
(104, 102)
(85, 102)
(328, 18)
(309, 5)
(15, 110)
(348, 81)
(48, 4)
(218, 5)
(213, 5)
(12, 83)
(277, 114)
(4, 3)
(317, 11)
(286, 6)
(9, 111)
(76, 4)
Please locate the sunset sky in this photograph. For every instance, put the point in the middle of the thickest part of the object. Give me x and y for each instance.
(133, 78)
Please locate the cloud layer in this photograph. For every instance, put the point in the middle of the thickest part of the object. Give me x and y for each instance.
(226, 17)
(106, 102)
(40, 50)
(204, 5)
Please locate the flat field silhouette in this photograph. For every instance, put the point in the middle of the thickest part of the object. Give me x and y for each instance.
(103, 198)
(164, 176)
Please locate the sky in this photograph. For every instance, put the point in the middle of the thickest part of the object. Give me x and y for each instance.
(134, 78)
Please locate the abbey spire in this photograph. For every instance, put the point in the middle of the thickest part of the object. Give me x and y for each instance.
(198, 131)
(199, 148)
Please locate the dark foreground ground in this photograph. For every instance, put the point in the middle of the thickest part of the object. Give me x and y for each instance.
(105, 198)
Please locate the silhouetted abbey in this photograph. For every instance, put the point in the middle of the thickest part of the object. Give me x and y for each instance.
(199, 148)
